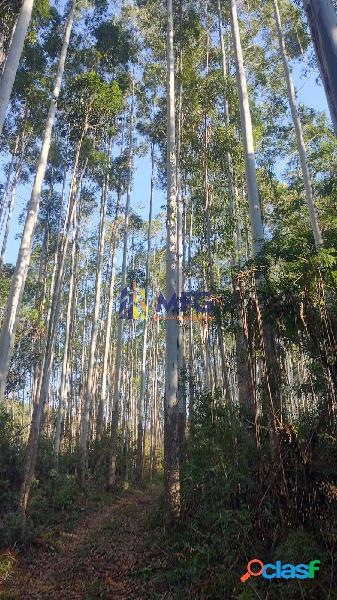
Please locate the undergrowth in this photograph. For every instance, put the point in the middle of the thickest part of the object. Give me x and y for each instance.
(229, 518)
(57, 502)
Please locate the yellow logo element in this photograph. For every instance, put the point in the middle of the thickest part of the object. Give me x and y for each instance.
(139, 311)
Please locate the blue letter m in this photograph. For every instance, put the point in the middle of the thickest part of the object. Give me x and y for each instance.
(171, 306)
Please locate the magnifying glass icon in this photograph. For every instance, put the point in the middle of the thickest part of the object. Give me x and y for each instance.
(249, 570)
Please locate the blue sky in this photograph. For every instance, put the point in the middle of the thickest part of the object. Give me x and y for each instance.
(309, 93)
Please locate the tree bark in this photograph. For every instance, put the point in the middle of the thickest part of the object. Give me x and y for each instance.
(8, 179)
(13, 58)
(140, 408)
(48, 355)
(247, 137)
(115, 407)
(88, 394)
(108, 323)
(323, 25)
(10, 320)
(267, 342)
(66, 353)
(171, 411)
(299, 133)
(230, 171)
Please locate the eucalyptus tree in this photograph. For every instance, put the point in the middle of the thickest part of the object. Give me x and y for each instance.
(30, 96)
(95, 102)
(115, 225)
(22, 139)
(117, 50)
(140, 406)
(298, 130)
(270, 367)
(9, 324)
(13, 57)
(247, 135)
(322, 19)
(208, 200)
(95, 316)
(244, 379)
(10, 11)
(118, 360)
(67, 339)
(224, 59)
(172, 438)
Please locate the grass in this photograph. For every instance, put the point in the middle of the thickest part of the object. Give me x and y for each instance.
(7, 565)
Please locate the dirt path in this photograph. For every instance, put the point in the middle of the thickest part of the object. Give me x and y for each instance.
(103, 558)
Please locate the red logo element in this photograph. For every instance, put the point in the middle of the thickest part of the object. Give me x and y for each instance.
(249, 569)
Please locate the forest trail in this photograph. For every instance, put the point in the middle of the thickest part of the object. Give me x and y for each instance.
(102, 558)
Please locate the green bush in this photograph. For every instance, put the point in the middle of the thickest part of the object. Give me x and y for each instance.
(11, 457)
(226, 524)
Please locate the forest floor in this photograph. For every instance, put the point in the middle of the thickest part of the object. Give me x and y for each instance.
(106, 555)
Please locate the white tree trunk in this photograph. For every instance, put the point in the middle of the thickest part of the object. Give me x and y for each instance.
(207, 195)
(180, 236)
(172, 450)
(66, 353)
(298, 131)
(88, 394)
(247, 136)
(8, 222)
(115, 407)
(108, 323)
(191, 377)
(323, 24)
(42, 389)
(230, 173)
(8, 179)
(10, 320)
(13, 58)
(270, 363)
(2, 52)
(140, 407)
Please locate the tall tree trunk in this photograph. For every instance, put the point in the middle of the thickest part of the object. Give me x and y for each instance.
(267, 342)
(191, 377)
(245, 386)
(2, 52)
(10, 320)
(8, 178)
(247, 136)
(88, 394)
(180, 237)
(140, 408)
(229, 161)
(66, 352)
(12, 200)
(298, 131)
(8, 222)
(13, 58)
(115, 406)
(207, 196)
(171, 411)
(155, 400)
(323, 24)
(108, 323)
(48, 354)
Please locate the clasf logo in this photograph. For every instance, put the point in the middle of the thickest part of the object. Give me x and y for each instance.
(256, 567)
